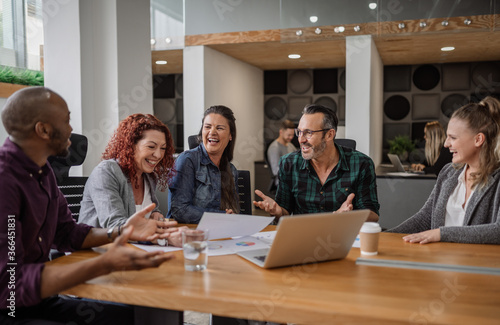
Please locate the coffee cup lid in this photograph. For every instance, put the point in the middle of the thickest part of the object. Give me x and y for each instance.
(371, 227)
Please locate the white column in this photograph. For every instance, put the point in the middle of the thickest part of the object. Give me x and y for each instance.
(214, 78)
(194, 90)
(364, 95)
(98, 57)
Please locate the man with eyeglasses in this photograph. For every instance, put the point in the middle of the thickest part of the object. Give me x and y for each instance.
(322, 176)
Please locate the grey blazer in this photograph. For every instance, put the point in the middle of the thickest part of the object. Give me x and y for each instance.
(108, 198)
(482, 217)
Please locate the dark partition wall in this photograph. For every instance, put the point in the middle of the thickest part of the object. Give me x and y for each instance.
(168, 105)
(417, 94)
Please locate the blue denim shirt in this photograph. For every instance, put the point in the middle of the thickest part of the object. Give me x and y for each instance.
(196, 187)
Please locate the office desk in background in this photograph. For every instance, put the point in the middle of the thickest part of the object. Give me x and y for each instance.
(400, 197)
(323, 293)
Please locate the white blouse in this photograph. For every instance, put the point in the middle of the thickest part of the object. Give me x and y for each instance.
(146, 200)
(455, 213)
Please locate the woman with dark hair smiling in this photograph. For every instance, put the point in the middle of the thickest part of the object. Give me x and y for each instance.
(205, 179)
(137, 159)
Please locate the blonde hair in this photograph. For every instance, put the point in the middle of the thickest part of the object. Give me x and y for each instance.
(484, 117)
(434, 141)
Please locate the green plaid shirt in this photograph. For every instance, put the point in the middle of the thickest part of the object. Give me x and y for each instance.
(300, 190)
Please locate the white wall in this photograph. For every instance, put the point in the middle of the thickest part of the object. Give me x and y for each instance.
(98, 57)
(194, 90)
(376, 105)
(62, 56)
(238, 86)
(363, 97)
(229, 82)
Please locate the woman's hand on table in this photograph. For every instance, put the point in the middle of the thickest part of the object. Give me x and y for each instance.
(417, 167)
(424, 237)
(175, 237)
(120, 257)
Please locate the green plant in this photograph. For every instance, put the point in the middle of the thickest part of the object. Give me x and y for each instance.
(401, 144)
(21, 76)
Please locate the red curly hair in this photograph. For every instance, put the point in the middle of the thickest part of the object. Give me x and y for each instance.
(122, 148)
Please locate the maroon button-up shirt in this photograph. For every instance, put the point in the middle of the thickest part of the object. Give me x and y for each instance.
(34, 217)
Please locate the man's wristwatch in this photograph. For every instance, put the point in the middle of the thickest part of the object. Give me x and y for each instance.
(110, 234)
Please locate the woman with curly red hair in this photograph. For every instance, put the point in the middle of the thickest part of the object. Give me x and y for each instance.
(138, 157)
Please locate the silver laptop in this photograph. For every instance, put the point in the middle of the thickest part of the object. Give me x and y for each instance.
(398, 166)
(310, 238)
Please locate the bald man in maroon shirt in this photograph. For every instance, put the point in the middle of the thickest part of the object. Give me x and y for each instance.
(34, 217)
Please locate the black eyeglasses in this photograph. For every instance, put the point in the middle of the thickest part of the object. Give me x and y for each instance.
(307, 133)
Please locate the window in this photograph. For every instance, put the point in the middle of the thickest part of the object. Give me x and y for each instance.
(21, 30)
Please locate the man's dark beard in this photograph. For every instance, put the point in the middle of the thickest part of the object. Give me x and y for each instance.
(56, 143)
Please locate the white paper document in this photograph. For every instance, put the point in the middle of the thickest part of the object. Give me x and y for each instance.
(356, 242)
(222, 225)
(232, 246)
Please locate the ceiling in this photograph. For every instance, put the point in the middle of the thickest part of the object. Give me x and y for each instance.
(329, 50)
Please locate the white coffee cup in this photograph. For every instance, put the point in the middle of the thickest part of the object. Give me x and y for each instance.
(368, 237)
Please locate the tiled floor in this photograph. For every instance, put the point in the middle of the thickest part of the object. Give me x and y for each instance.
(194, 318)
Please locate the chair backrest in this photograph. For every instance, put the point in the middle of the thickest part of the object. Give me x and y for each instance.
(76, 157)
(71, 187)
(193, 141)
(244, 192)
(349, 143)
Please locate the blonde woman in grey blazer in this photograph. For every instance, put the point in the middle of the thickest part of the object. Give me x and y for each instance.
(464, 205)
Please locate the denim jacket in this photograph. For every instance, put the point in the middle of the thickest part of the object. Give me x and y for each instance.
(196, 186)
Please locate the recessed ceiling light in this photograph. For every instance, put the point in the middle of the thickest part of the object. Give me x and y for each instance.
(447, 48)
(153, 41)
(313, 19)
(294, 56)
(161, 62)
(372, 5)
(168, 40)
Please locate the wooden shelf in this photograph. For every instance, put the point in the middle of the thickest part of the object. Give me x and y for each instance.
(8, 89)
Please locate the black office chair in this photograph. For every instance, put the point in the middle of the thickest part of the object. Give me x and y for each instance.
(244, 192)
(193, 141)
(71, 187)
(348, 143)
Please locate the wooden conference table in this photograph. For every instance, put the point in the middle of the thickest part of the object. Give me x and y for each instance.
(335, 292)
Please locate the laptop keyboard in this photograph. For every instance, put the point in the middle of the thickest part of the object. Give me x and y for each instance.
(261, 258)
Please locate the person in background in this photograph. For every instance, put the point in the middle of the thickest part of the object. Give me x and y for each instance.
(436, 154)
(205, 179)
(280, 147)
(138, 157)
(35, 218)
(463, 207)
(322, 176)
